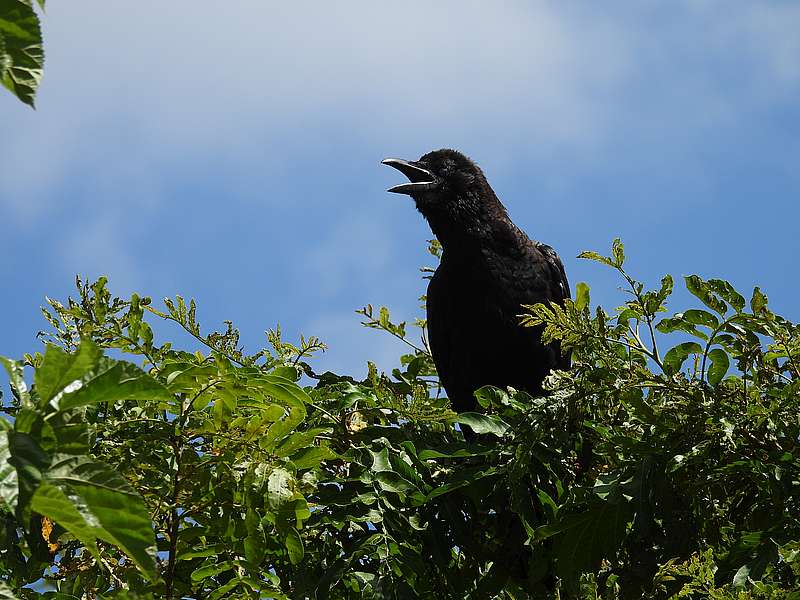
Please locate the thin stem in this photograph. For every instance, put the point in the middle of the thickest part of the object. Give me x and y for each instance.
(199, 338)
(375, 323)
(647, 317)
(174, 519)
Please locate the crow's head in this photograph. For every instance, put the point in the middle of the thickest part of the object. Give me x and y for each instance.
(449, 189)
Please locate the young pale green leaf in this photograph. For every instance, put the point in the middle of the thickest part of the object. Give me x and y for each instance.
(720, 363)
(675, 357)
(590, 255)
(22, 58)
(618, 252)
(59, 369)
(582, 296)
(482, 423)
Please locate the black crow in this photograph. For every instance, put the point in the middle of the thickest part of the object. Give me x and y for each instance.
(489, 268)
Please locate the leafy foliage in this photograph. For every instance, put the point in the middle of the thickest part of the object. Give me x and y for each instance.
(21, 52)
(223, 474)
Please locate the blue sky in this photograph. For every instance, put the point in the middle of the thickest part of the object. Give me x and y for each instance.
(232, 154)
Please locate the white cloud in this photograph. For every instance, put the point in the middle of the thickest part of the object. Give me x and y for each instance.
(187, 79)
(203, 71)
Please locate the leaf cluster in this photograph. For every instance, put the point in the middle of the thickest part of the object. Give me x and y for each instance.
(664, 463)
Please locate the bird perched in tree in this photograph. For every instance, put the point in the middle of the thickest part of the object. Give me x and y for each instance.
(488, 268)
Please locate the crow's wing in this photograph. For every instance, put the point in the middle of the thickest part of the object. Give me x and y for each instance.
(474, 324)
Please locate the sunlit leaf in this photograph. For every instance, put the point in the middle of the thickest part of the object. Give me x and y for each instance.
(16, 376)
(582, 296)
(705, 292)
(60, 369)
(113, 381)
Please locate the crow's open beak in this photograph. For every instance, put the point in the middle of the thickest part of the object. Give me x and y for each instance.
(421, 179)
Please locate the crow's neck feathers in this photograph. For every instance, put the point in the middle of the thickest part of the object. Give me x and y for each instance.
(469, 219)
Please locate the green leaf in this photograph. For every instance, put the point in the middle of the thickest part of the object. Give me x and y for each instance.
(5, 60)
(590, 255)
(211, 570)
(482, 423)
(758, 303)
(678, 323)
(294, 545)
(491, 396)
(30, 462)
(255, 544)
(380, 461)
(113, 381)
(299, 440)
(392, 482)
(675, 357)
(16, 376)
(280, 429)
(200, 552)
(9, 486)
(618, 252)
(637, 406)
(582, 296)
(309, 458)
(586, 539)
(701, 317)
(22, 58)
(701, 289)
(720, 363)
(109, 507)
(54, 504)
(728, 293)
(60, 369)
